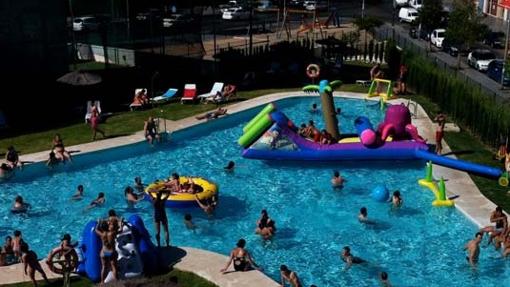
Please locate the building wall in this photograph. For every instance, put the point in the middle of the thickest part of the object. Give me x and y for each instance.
(491, 8)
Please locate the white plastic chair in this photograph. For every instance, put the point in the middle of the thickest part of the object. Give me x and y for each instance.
(216, 88)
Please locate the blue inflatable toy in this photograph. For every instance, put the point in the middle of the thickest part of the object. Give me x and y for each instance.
(380, 193)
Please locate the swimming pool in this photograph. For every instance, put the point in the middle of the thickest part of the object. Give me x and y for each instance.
(418, 245)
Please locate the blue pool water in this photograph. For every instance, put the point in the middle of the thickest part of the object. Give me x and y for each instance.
(418, 245)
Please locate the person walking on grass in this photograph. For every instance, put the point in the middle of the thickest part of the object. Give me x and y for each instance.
(94, 124)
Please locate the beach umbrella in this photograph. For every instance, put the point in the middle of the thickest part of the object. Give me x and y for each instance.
(80, 78)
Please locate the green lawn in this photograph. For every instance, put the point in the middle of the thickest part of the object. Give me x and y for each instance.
(185, 279)
(478, 152)
(126, 123)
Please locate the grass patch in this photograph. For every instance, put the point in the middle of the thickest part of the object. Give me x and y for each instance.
(185, 279)
(480, 153)
(127, 123)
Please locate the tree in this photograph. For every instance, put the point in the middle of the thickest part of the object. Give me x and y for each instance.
(431, 15)
(464, 27)
(325, 88)
(368, 24)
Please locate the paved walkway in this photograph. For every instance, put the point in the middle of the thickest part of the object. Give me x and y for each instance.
(206, 264)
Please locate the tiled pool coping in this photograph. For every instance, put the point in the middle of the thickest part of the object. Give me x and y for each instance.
(470, 202)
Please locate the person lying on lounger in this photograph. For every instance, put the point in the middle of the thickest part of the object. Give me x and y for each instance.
(212, 115)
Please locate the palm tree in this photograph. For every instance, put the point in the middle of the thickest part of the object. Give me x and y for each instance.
(325, 88)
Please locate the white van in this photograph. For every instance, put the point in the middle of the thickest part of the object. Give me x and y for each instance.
(408, 15)
(416, 4)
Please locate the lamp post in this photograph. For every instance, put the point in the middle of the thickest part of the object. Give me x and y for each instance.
(505, 58)
(363, 9)
(251, 28)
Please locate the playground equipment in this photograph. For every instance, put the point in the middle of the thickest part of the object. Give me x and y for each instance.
(439, 190)
(375, 89)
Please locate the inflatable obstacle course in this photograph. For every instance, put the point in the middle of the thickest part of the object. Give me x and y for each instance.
(438, 189)
(376, 89)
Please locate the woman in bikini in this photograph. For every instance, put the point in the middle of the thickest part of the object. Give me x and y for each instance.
(94, 124)
(241, 258)
(108, 253)
(59, 150)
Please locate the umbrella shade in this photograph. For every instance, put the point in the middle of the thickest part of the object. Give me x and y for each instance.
(80, 78)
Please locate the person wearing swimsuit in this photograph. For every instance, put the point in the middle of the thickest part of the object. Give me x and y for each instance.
(241, 258)
(150, 130)
(94, 124)
(31, 264)
(12, 158)
(59, 149)
(160, 217)
(441, 121)
(108, 253)
(349, 259)
(500, 221)
(337, 181)
(287, 275)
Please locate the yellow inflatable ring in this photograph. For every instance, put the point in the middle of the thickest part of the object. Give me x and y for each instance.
(184, 200)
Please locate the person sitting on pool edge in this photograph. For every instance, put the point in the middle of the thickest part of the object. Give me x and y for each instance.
(19, 205)
(241, 258)
(5, 171)
(12, 158)
(337, 181)
(52, 160)
(349, 259)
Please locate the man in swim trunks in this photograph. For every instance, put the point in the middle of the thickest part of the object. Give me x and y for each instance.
(473, 249)
(150, 130)
(79, 193)
(99, 201)
(501, 223)
(290, 276)
(160, 218)
(31, 264)
(349, 259)
(212, 115)
(108, 253)
(337, 181)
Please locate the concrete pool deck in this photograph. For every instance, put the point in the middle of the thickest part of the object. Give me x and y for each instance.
(471, 202)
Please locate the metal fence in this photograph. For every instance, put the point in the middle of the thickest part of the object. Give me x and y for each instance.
(404, 41)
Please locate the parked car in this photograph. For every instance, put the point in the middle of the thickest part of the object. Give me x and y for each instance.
(495, 72)
(480, 59)
(176, 20)
(296, 4)
(85, 23)
(437, 37)
(264, 4)
(230, 4)
(416, 4)
(235, 13)
(400, 3)
(494, 39)
(453, 48)
(408, 15)
(314, 5)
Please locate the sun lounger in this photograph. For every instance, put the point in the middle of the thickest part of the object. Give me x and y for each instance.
(190, 93)
(165, 97)
(216, 88)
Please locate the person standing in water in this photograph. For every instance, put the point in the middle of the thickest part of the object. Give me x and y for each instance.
(337, 181)
(160, 218)
(290, 276)
(473, 249)
(349, 259)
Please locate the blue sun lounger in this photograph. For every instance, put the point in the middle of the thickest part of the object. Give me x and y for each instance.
(165, 97)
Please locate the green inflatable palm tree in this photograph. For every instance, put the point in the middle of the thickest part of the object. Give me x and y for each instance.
(325, 88)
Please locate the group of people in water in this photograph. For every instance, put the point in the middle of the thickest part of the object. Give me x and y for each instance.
(311, 132)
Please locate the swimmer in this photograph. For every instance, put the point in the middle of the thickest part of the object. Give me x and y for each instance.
(473, 249)
(314, 109)
(396, 199)
(337, 181)
(20, 206)
(131, 197)
(99, 201)
(139, 186)
(349, 259)
(5, 171)
(363, 216)
(52, 160)
(188, 222)
(269, 230)
(230, 166)
(262, 221)
(79, 193)
(207, 205)
(385, 282)
(290, 276)
(338, 111)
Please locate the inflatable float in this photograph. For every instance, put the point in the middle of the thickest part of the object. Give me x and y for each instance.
(272, 136)
(207, 191)
(438, 189)
(133, 246)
